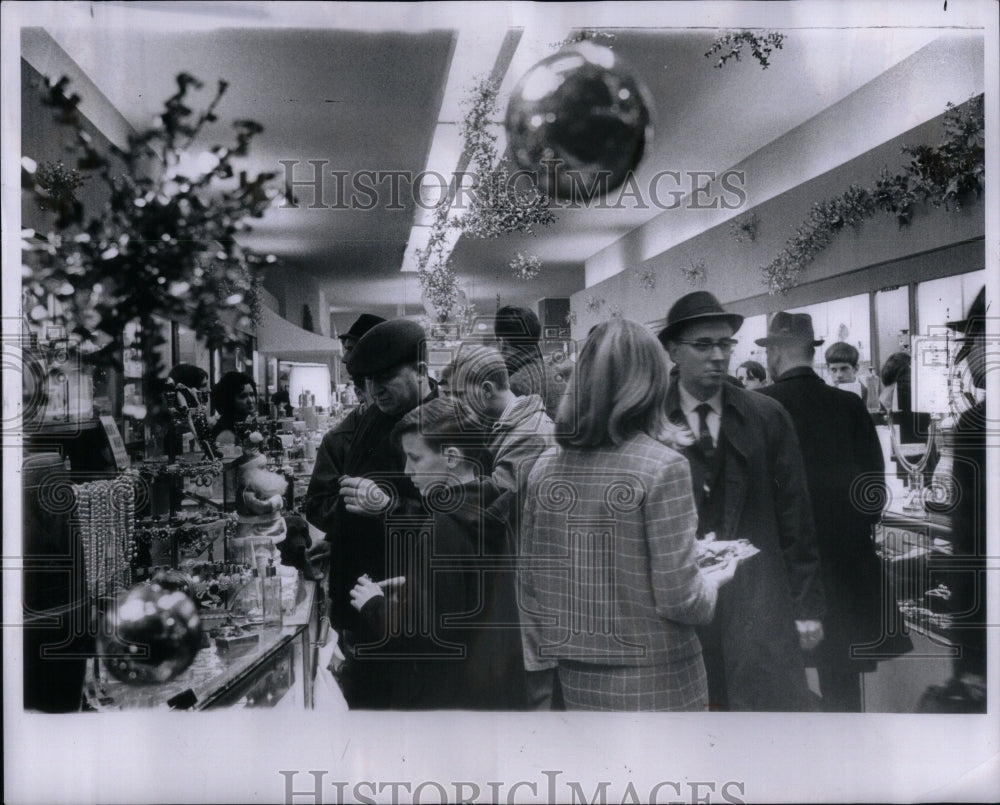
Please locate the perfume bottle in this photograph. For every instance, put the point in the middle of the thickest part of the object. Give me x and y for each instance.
(251, 597)
(272, 595)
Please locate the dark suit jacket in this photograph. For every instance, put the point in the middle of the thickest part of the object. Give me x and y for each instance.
(766, 501)
(846, 476)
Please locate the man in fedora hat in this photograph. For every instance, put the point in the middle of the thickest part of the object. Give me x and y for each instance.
(843, 462)
(748, 483)
(964, 572)
(356, 463)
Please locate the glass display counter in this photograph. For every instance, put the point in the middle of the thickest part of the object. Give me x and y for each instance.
(910, 547)
(261, 667)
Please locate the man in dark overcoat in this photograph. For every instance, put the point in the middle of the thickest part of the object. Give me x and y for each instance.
(845, 471)
(358, 481)
(749, 483)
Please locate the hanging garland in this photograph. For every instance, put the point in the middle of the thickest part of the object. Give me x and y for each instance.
(946, 175)
(732, 43)
(497, 205)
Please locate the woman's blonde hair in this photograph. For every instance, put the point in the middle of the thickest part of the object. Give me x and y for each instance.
(618, 387)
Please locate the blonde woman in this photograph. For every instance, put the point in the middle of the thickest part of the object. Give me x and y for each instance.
(609, 584)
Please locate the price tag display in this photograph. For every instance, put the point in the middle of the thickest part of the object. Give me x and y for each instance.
(931, 374)
(116, 442)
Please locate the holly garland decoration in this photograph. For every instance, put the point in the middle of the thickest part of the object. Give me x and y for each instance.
(730, 45)
(947, 175)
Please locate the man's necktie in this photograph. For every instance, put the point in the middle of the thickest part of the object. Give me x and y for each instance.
(705, 443)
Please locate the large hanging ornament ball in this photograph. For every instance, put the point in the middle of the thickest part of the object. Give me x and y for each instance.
(578, 121)
(150, 635)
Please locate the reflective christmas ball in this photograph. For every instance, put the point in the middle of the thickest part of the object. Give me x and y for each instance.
(150, 635)
(578, 121)
(170, 579)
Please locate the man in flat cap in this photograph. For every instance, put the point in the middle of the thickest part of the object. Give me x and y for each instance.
(964, 572)
(748, 483)
(844, 468)
(358, 480)
(349, 340)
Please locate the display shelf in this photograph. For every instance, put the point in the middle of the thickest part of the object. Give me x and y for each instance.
(935, 526)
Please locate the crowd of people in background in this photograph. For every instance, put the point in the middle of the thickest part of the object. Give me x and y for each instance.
(526, 535)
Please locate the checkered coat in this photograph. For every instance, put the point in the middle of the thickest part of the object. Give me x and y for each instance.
(608, 572)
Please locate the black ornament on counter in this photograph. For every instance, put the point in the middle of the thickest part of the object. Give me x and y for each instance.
(171, 580)
(150, 635)
(578, 120)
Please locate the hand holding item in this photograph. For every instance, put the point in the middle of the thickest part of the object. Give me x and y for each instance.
(366, 589)
(363, 496)
(320, 550)
(723, 572)
(363, 592)
(810, 634)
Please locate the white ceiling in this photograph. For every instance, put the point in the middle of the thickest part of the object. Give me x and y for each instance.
(366, 87)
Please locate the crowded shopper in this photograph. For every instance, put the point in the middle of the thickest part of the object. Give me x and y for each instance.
(749, 483)
(842, 364)
(349, 340)
(752, 375)
(845, 471)
(234, 398)
(518, 431)
(518, 333)
(358, 479)
(454, 636)
(610, 585)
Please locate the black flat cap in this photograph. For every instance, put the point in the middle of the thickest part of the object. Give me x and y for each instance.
(385, 346)
(363, 324)
(693, 307)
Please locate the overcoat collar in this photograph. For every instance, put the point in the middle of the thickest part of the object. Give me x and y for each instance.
(799, 372)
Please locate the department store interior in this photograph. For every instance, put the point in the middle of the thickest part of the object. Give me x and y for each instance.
(295, 175)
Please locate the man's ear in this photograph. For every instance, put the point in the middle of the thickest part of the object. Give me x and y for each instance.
(452, 455)
(488, 388)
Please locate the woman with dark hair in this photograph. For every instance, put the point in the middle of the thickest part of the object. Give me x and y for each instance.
(752, 375)
(234, 397)
(609, 581)
(191, 381)
(468, 655)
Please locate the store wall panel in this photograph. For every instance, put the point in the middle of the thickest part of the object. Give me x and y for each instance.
(846, 267)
